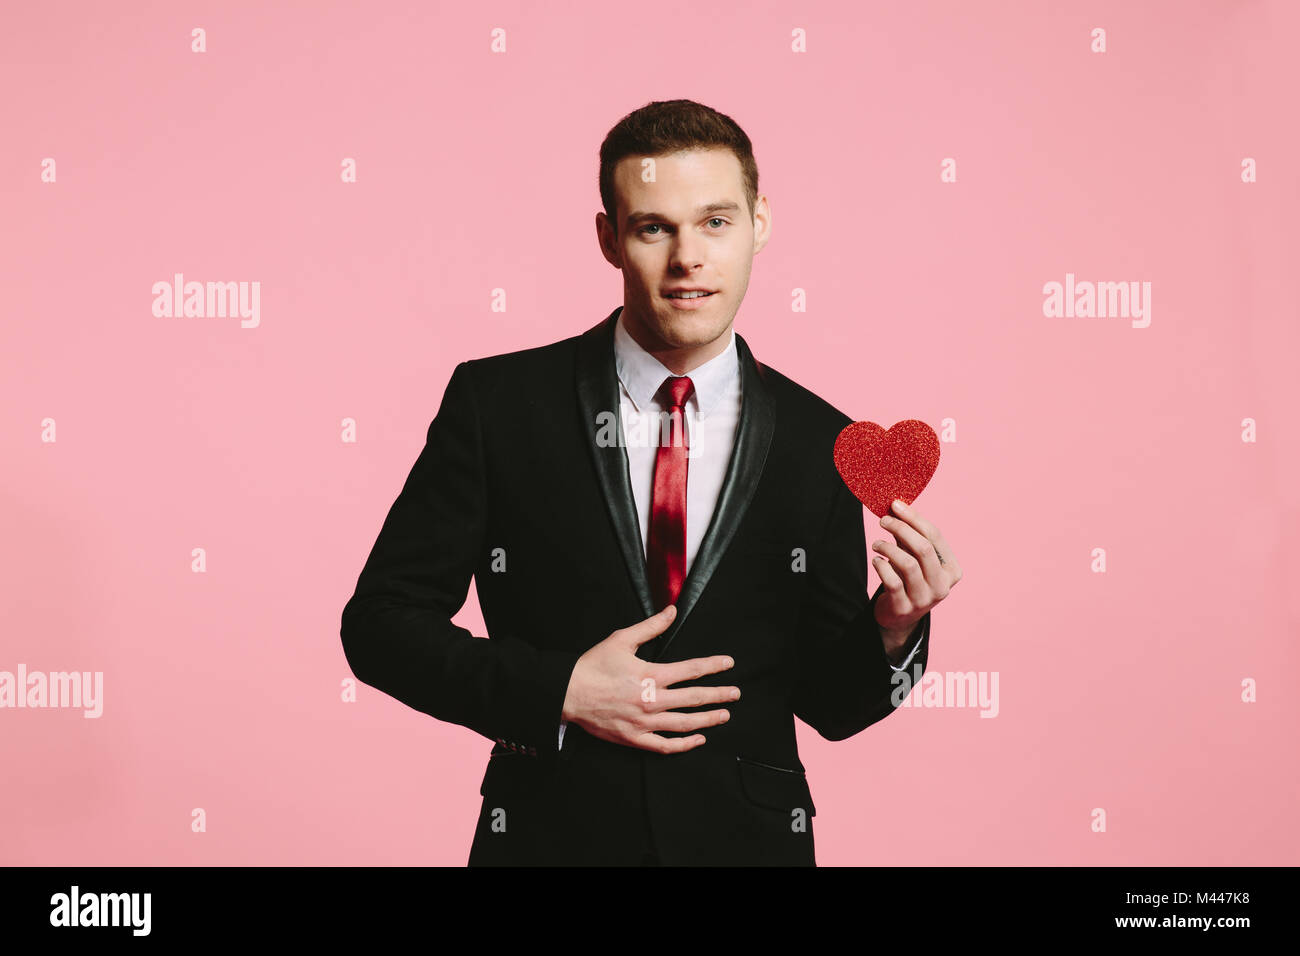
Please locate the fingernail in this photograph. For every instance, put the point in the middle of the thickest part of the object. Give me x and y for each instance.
(899, 506)
(729, 663)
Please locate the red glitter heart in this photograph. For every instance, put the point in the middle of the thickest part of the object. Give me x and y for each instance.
(879, 466)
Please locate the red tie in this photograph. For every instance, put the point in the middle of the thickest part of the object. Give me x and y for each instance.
(666, 549)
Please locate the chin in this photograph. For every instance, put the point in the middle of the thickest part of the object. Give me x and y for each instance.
(693, 320)
(687, 333)
(679, 329)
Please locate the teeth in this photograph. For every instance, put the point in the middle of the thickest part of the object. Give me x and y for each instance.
(687, 295)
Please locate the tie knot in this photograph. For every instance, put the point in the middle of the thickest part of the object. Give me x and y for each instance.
(678, 389)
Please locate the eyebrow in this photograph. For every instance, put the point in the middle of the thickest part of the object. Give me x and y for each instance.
(727, 206)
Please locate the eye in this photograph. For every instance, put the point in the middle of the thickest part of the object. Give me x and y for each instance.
(653, 225)
(718, 219)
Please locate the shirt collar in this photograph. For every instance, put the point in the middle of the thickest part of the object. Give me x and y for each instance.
(643, 375)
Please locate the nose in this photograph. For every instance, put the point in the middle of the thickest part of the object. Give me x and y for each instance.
(688, 252)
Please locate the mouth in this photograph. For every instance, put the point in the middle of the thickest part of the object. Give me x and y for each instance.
(689, 298)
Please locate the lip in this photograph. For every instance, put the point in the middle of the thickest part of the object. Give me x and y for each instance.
(689, 305)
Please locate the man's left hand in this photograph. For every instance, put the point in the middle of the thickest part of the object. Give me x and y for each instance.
(916, 573)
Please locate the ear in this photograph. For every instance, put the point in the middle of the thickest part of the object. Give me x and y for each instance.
(608, 241)
(762, 223)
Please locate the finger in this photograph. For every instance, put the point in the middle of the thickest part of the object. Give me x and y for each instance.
(676, 722)
(947, 558)
(889, 578)
(904, 569)
(921, 548)
(651, 627)
(666, 745)
(665, 675)
(693, 697)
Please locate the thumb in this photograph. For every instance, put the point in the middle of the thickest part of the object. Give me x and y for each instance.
(652, 626)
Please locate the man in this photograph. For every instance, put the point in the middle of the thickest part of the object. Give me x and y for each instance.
(658, 612)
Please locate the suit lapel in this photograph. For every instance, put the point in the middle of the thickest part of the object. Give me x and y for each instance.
(598, 396)
(598, 391)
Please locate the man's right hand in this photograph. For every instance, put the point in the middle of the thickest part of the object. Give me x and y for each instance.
(617, 696)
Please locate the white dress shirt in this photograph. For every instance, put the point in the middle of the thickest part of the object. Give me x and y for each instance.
(712, 415)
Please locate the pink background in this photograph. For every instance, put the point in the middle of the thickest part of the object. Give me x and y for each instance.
(478, 171)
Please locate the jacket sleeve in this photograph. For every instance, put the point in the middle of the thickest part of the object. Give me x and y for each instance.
(843, 682)
(396, 629)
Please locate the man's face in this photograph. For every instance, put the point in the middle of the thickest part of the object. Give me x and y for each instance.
(688, 229)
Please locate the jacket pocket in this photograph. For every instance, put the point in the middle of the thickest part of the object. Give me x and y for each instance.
(777, 788)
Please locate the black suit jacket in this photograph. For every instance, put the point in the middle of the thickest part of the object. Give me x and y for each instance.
(516, 488)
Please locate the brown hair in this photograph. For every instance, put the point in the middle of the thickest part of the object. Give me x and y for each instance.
(669, 126)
